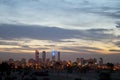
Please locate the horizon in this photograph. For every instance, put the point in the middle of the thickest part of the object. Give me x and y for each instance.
(64, 56)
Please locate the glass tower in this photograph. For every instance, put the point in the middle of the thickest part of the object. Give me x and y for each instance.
(53, 54)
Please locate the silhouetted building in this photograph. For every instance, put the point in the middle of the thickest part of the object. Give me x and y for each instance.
(82, 61)
(53, 55)
(36, 56)
(11, 61)
(43, 56)
(58, 56)
(78, 60)
(101, 61)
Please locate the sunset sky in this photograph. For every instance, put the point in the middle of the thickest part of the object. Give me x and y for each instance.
(76, 28)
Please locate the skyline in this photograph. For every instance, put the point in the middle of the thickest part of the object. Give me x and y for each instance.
(86, 28)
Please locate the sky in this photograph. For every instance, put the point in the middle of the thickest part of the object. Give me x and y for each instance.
(76, 28)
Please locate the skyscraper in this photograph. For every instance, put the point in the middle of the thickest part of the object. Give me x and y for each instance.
(101, 61)
(43, 56)
(36, 56)
(58, 56)
(53, 55)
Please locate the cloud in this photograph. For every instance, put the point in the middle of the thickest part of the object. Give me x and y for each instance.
(109, 8)
(115, 14)
(98, 34)
(88, 20)
(92, 48)
(83, 49)
(50, 45)
(73, 14)
(9, 31)
(114, 50)
(44, 33)
(118, 25)
(25, 46)
(8, 43)
(117, 43)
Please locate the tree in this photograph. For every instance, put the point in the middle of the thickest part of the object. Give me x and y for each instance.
(110, 66)
(4, 67)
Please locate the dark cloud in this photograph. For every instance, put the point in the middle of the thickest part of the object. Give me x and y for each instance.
(114, 50)
(25, 46)
(117, 43)
(97, 34)
(118, 25)
(36, 32)
(67, 41)
(83, 50)
(45, 48)
(118, 36)
(92, 48)
(111, 11)
(8, 43)
(6, 2)
(86, 1)
(50, 45)
(8, 31)
(112, 14)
